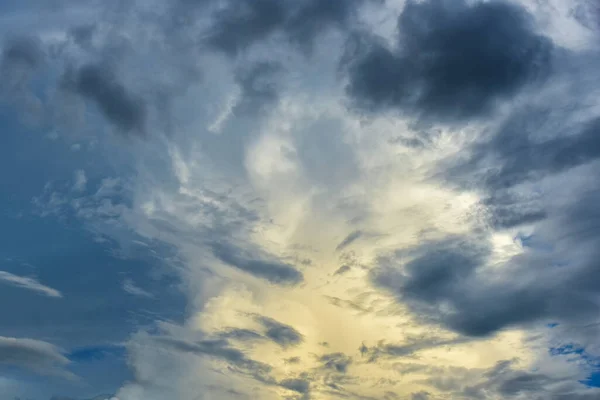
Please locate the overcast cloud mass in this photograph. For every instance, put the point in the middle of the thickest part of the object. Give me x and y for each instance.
(300, 199)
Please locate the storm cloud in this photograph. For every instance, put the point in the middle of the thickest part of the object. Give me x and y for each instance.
(100, 85)
(26, 52)
(357, 199)
(452, 284)
(240, 24)
(453, 61)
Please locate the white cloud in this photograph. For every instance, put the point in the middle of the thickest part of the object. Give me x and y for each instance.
(28, 283)
(80, 180)
(130, 287)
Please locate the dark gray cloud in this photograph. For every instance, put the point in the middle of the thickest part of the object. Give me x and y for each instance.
(83, 35)
(100, 85)
(508, 382)
(241, 334)
(34, 355)
(221, 349)
(348, 240)
(282, 334)
(454, 60)
(24, 51)
(342, 270)
(443, 273)
(21, 59)
(539, 167)
(409, 348)
(296, 385)
(314, 16)
(352, 305)
(448, 283)
(510, 208)
(504, 380)
(514, 155)
(240, 24)
(273, 271)
(337, 362)
(435, 271)
(229, 392)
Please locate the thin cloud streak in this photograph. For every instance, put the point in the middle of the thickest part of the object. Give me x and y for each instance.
(28, 284)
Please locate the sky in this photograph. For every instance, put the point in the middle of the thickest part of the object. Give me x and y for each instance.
(299, 199)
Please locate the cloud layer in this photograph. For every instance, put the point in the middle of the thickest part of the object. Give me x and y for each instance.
(305, 199)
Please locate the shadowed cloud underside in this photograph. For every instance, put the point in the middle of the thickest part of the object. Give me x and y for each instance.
(299, 200)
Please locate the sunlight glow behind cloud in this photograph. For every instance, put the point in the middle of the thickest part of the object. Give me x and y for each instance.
(302, 199)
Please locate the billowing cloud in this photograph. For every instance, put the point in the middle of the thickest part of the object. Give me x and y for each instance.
(453, 60)
(355, 199)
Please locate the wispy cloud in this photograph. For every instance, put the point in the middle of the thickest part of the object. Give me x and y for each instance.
(35, 355)
(28, 283)
(80, 180)
(130, 287)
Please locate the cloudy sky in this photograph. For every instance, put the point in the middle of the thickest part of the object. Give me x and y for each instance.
(299, 199)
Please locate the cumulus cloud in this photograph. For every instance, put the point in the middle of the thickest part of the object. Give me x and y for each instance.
(453, 60)
(522, 167)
